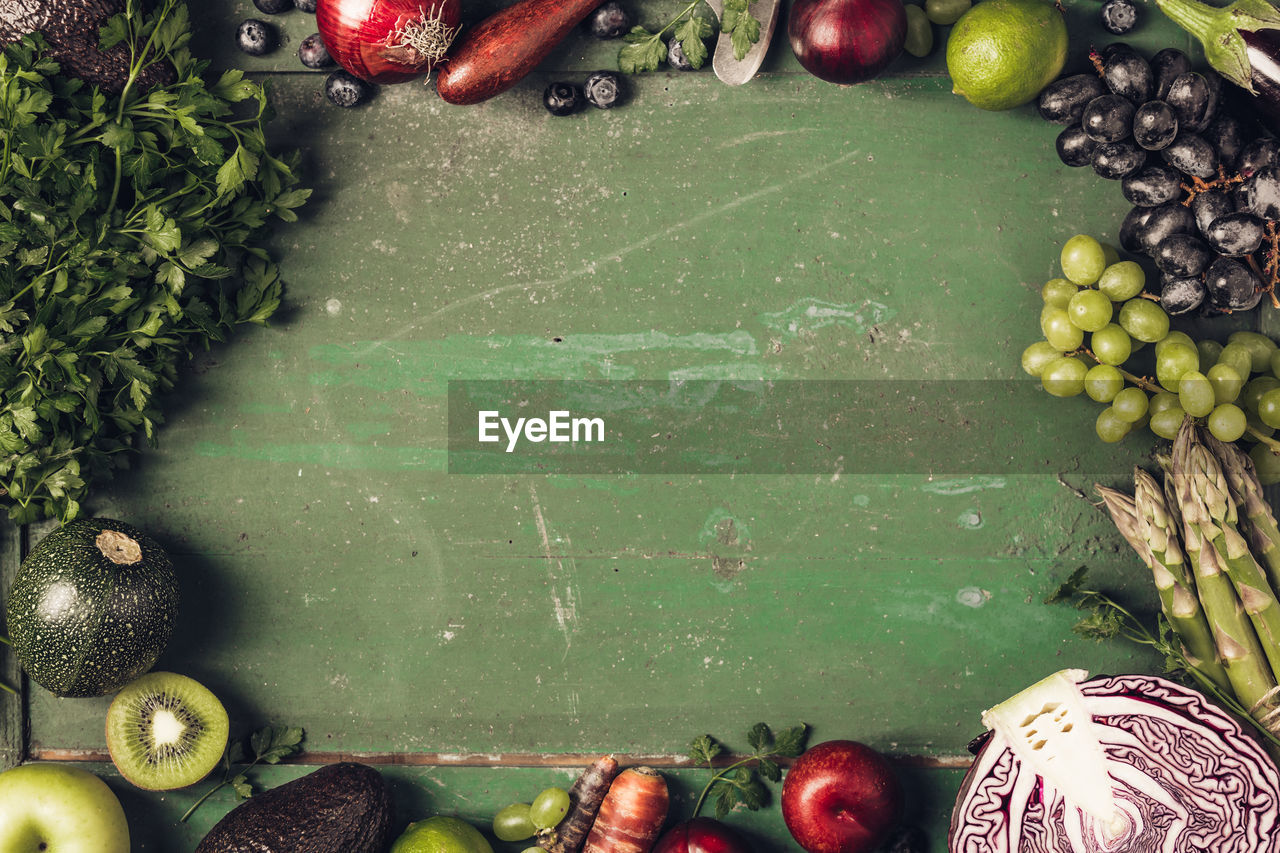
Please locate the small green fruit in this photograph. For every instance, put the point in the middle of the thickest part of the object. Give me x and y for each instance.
(1001, 53)
(441, 834)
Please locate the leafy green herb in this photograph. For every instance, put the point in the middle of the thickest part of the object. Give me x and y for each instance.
(1105, 619)
(130, 231)
(646, 51)
(269, 746)
(740, 781)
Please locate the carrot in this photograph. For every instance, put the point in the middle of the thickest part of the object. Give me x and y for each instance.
(631, 814)
(584, 799)
(499, 51)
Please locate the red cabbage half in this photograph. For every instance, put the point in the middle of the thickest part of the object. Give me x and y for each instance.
(1184, 777)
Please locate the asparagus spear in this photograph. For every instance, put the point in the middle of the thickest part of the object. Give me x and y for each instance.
(1252, 679)
(1245, 489)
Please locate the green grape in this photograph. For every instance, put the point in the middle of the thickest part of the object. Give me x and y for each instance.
(1110, 254)
(1103, 382)
(1161, 401)
(1209, 352)
(1239, 357)
(1131, 404)
(512, 823)
(1064, 377)
(1083, 259)
(1036, 356)
(1227, 422)
(1144, 319)
(1173, 362)
(1174, 337)
(1121, 281)
(1255, 389)
(1111, 344)
(1260, 348)
(1275, 363)
(1267, 463)
(1166, 422)
(1058, 292)
(1195, 394)
(1226, 383)
(549, 808)
(944, 13)
(1110, 427)
(1090, 310)
(1257, 428)
(1059, 330)
(1268, 408)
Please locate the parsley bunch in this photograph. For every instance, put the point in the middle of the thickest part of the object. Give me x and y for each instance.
(129, 238)
(740, 782)
(646, 51)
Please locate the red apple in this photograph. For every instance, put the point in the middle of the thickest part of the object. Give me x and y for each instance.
(701, 835)
(841, 797)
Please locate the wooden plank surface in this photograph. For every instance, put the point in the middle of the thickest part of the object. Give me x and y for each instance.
(338, 577)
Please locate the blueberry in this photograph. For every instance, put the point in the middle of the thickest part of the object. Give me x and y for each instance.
(255, 37)
(305, 5)
(344, 89)
(313, 53)
(561, 99)
(1119, 16)
(676, 57)
(273, 7)
(603, 89)
(609, 21)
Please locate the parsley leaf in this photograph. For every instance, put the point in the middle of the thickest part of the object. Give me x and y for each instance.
(646, 51)
(269, 745)
(742, 782)
(740, 25)
(131, 231)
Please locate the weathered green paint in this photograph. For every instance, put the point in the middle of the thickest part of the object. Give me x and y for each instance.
(335, 576)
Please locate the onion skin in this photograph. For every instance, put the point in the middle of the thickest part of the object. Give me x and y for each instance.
(360, 35)
(498, 52)
(847, 41)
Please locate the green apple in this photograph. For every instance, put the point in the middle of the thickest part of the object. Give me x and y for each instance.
(57, 808)
(440, 834)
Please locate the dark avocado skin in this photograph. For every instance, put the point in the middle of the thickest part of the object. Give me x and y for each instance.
(340, 808)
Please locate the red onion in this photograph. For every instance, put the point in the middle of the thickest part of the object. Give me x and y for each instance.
(847, 41)
(701, 835)
(1183, 777)
(388, 41)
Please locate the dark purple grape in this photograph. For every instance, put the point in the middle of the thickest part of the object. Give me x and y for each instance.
(1193, 100)
(1132, 228)
(1167, 65)
(1232, 285)
(1108, 118)
(1191, 154)
(1063, 101)
(1113, 48)
(1154, 183)
(1210, 205)
(1227, 134)
(1115, 160)
(1182, 255)
(1165, 219)
(1258, 154)
(1236, 234)
(1119, 16)
(1260, 194)
(1128, 75)
(1075, 148)
(1154, 125)
(1181, 295)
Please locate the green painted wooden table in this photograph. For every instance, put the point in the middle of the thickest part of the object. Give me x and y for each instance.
(481, 636)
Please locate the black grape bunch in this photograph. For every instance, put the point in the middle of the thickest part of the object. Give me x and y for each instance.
(1203, 177)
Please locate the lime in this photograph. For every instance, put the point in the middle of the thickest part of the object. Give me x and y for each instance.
(1001, 53)
(441, 834)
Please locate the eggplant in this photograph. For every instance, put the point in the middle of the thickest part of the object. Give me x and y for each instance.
(1241, 42)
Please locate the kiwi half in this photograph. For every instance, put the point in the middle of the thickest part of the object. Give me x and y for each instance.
(165, 731)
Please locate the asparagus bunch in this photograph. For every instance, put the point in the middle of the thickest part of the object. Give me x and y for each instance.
(1213, 546)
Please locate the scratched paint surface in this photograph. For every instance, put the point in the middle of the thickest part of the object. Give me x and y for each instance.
(337, 577)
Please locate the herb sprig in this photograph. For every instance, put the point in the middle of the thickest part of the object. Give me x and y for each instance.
(269, 745)
(741, 782)
(130, 238)
(646, 51)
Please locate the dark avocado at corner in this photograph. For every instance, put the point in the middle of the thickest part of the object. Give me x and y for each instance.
(340, 808)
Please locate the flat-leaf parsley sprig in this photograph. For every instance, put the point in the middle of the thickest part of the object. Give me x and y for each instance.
(269, 744)
(740, 782)
(646, 51)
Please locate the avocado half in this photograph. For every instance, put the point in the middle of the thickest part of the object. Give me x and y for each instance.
(340, 808)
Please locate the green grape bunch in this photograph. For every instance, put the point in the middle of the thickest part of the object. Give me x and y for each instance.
(1096, 322)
